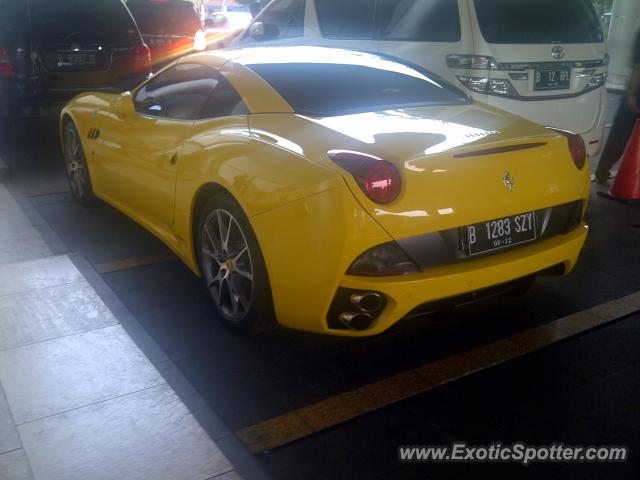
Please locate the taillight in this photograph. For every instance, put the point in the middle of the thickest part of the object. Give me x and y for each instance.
(200, 41)
(577, 147)
(6, 69)
(472, 62)
(377, 178)
(142, 63)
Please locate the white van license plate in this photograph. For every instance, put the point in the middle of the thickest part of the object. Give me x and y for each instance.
(558, 79)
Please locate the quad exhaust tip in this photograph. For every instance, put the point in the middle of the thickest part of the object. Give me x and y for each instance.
(356, 320)
(369, 302)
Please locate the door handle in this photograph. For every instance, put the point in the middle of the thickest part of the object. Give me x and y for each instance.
(174, 159)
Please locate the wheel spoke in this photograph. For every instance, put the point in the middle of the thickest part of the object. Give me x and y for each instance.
(236, 257)
(216, 292)
(243, 273)
(233, 297)
(221, 230)
(227, 234)
(242, 297)
(216, 250)
(211, 254)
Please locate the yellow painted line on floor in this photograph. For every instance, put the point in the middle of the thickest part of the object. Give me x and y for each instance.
(44, 193)
(127, 263)
(333, 411)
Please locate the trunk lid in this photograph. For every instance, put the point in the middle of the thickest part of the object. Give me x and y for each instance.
(453, 162)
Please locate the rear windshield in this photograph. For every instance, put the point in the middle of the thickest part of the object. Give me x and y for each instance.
(165, 18)
(327, 89)
(539, 21)
(61, 21)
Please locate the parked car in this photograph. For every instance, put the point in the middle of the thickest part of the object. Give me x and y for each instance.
(545, 60)
(332, 190)
(171, 28)
(51, 50)
(222, 27)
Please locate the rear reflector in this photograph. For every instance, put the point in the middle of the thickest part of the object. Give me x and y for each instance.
(6, 69)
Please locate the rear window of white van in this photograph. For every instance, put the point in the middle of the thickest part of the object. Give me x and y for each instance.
(401, 20)
(538, 21)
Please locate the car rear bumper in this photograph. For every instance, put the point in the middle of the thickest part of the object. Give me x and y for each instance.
(405, 294)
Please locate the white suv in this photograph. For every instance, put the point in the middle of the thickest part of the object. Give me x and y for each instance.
(545, 60)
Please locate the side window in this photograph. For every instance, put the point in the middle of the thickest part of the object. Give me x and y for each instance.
(346, 19)
(281, 19)
(223, 101)
(188, 91)
(419, 20)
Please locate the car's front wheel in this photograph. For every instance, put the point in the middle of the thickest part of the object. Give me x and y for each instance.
(76, 165)
(232, 266)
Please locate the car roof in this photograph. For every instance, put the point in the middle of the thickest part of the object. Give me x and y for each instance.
(260, 97)
(300, 54)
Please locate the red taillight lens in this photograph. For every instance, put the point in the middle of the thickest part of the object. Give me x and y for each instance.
(378, 179)
(142, 63)
(578, 150)
(577, 147)
(6, 69)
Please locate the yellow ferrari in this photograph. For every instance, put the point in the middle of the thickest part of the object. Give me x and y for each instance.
(329, 190)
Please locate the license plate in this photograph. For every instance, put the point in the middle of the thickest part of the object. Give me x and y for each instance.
(559, 79)
(502, 233)
(74, 59)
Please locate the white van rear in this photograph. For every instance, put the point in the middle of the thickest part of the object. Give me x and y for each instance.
(545, 60)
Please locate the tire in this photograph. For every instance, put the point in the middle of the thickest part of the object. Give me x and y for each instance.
(75, 163)
(233, 268)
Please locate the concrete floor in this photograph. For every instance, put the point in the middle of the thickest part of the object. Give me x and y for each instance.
(584, 390)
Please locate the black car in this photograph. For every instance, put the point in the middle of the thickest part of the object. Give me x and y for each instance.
(51, 50)
(171, 28)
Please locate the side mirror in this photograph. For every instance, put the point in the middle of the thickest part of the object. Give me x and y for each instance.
(124, 105)
(257, 30)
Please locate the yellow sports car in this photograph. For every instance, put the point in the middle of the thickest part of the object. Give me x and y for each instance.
(329, 190)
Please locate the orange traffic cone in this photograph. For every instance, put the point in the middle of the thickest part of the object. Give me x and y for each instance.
(626, 187)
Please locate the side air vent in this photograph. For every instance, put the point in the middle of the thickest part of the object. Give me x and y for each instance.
(93, 134)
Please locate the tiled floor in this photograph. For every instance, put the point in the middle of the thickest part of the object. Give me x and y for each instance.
(19, 240)
(78, 398)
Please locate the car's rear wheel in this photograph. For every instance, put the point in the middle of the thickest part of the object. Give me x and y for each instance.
(76, 166)
(232, 266)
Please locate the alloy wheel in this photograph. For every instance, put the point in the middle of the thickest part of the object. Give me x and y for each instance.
(75, 163)
(227, 264)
